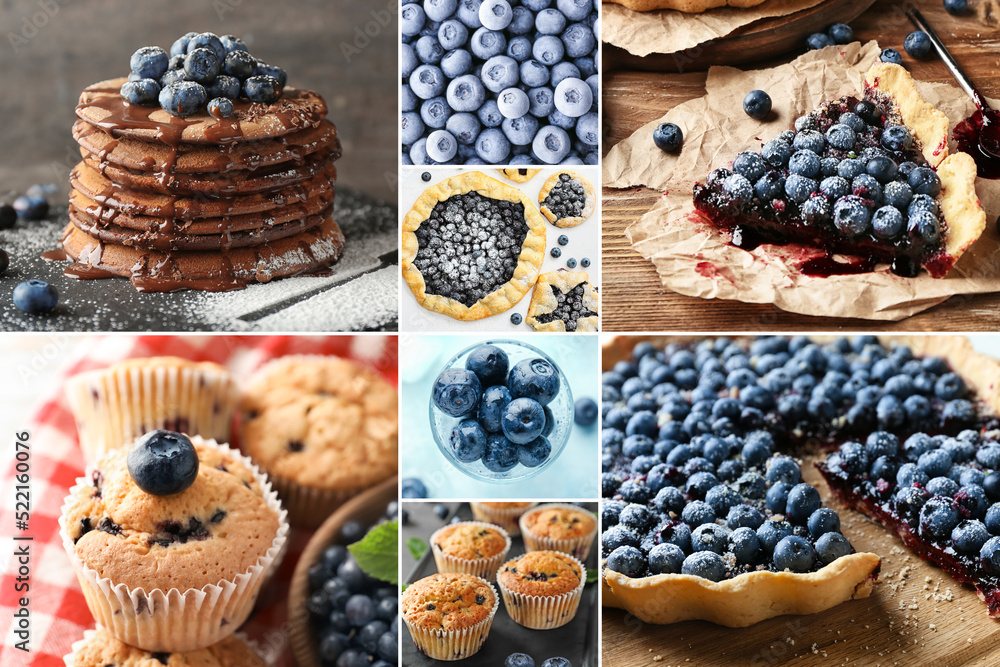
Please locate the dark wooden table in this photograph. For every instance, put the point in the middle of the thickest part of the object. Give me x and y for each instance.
(634, 297)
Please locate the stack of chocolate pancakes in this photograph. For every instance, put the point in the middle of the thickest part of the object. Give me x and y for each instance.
(199, 202)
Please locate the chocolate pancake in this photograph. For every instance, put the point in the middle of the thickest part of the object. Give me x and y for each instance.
(94, 185)
(102, 106)
(94, 213)
(170, 238)
(225, 184)
(207, 158)
(152, 271)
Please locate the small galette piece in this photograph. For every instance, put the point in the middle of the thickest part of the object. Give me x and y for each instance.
(567, 199)
(521, 175)
(564, 301)
(472, 247)
(870, 178)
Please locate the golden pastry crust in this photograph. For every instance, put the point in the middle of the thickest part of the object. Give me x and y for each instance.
(589, 206)
(521, 175)
(892, 86)
(99, 648)
(745, 599)
(686, 6)
(469, 540)
(529, 261)
(543, 300)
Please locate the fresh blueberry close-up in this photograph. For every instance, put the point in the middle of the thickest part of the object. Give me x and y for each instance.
(668, 137)
(35, 296)
(163, 463)
(757, 104)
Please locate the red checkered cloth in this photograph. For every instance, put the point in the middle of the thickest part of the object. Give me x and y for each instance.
(58, 611)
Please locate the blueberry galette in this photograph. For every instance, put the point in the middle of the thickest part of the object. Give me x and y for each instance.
(869, 177)
(519, 175)
(564, 301)
(567, 199)
(472, 247)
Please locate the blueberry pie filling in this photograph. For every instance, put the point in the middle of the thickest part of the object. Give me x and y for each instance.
(472, 247)
(867, 177)
(564, 301)
(567, 199)
(569, 309)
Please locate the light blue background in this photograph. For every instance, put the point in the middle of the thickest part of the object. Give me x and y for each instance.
(570, 477)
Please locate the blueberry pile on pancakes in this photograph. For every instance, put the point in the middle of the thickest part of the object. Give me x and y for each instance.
(210, 174)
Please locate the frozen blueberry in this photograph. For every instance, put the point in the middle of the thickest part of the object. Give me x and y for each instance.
(428, 81)
(550, 22)
(551, 144)
(757, 104)
(513, 103)
(891, 56)
(456, 391)
(495, 14)
(573, 97)
(668, 137)
(441, 146)
(492, 145)
(548, 50)
(412, 19)
(163, 463)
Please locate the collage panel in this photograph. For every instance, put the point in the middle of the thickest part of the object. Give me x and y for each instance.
(501, 250)
(499, 417)
(799, 500)
(520, 577)
(180, 174)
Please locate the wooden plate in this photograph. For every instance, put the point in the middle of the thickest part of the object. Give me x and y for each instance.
(760, 40)
(367, 508)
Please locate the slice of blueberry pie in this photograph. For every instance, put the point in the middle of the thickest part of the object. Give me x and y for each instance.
(869, 177)
(564, 301)
(519, 175)
(472, 247)
(567, 199)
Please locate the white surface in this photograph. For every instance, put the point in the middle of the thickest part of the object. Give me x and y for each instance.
(584, 241)
(572, 476)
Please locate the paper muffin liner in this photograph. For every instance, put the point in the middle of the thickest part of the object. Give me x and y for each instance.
(543, 612)
(453, 644)
(506, 518)
(174, 621)
(307, 506)
(116, 405)
(484, 568)
(577, 547)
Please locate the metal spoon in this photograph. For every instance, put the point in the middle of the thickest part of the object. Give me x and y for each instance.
(989, 136)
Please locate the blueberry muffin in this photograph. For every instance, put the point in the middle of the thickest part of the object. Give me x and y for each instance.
(115, 405)
(323, 428)
(449, 614)
(470, 547)
(542, 589)
(565, 528)
(171, 540)
(99, 648)
(505, 515)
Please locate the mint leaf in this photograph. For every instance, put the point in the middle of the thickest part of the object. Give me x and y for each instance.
(592, 576)
(378, 552)
(417, 547)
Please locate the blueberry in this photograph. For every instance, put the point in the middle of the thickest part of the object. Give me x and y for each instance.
(851, 168)
(519, 660)
(887, 223)
(585, 412)
(491, 145)
(163, 463)
(412, 127)
(201, 65)
(627, 560)
(891, 56)
(776, 153)
(573, 97)
(835, 187)
(922, 203)
(523, 420)
(221, 107)
(224, 86)
(666, 559)
(840, 33)
(898, 194)
(770, 186)
(468, 441)
(822, 521)
(851, 216)
(534, 378)
(183, 98)
(550, 22)
(534, 453)
(818, 40)
(739, 189)
(750, 165)
(179, 47)
(35, 296)
(149, 62)
(924, 226)
(428, 81)
(809, 140)
(841, 137)
(668, 137)
(411, 487)
(917, 44)
(938, 517)
(705, 564)
(924, 181)
(799, 188)
(757, 104)
(803, 500)
(557, 662)
(262, 88)
(898, 138)
(831, 546)
(956, 7)
(143, 91)
(515, 319)
(866, 187)
(8, 215)
(794, 553)
(501, 453)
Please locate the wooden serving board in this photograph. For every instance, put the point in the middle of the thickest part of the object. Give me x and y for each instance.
(917, 614)
(760, 40)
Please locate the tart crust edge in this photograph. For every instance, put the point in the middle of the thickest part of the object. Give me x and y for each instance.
(588, 208)
(543, 297)
(960, 207)
(529, 260)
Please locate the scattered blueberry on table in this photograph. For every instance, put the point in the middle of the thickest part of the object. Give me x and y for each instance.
(563, 239)
(35, 296)
(668, 137)
(840, 33)
(556, 252)
(356, 616)
(585, 262)
(956, 7)
(757, 104)
(8, 216)
(818, 40)
(515, 318)
(585, 412)
(570, 263)
(499, 82)
(411, 487)
(891, 56)
(917, 44)
(201, 71)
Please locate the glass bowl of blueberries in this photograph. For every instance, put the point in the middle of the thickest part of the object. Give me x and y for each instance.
(501, 411)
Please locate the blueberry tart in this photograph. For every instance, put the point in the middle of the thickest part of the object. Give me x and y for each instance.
(472, 247)
(567, 199)
(564, 301)
(519, 175)
(869, 177)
